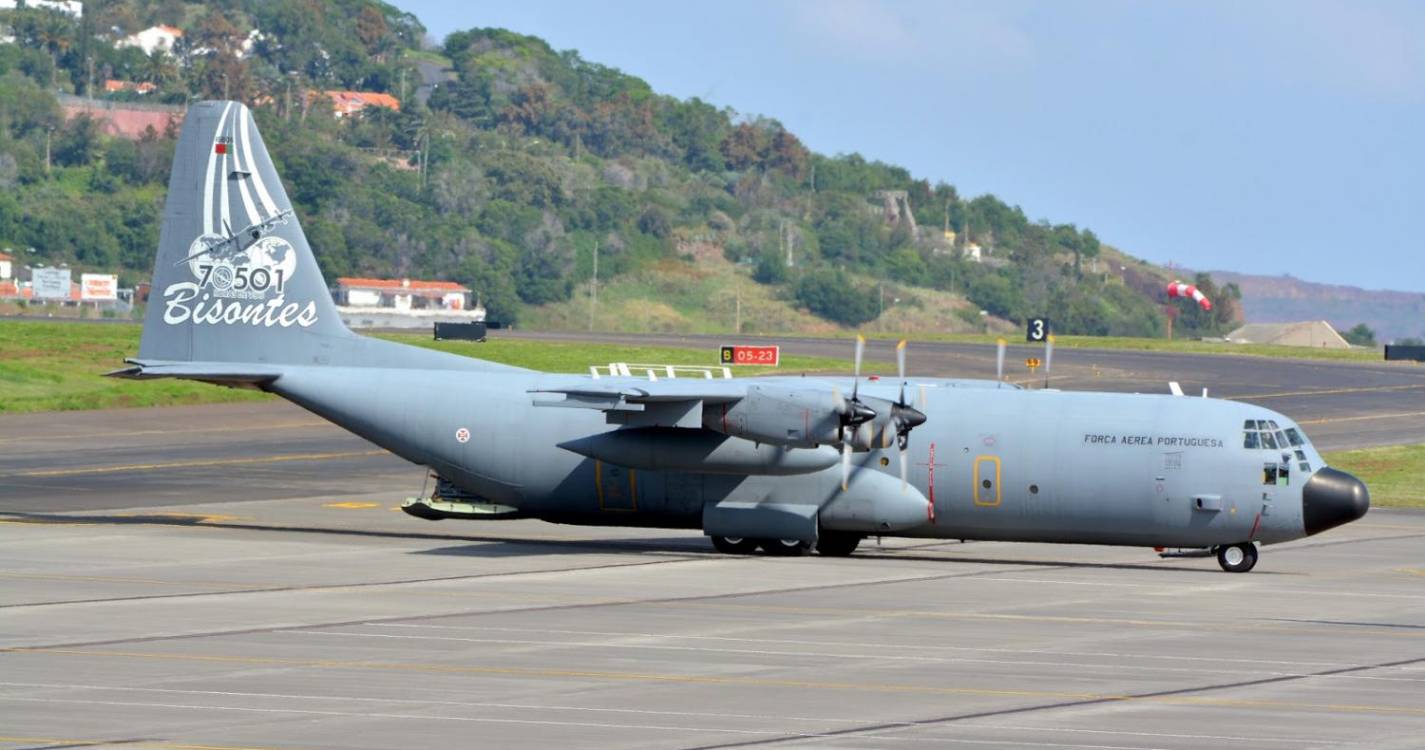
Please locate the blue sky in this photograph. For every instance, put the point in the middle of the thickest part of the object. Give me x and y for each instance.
(1273, 136)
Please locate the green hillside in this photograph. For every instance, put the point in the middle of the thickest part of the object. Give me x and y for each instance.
(521, 165)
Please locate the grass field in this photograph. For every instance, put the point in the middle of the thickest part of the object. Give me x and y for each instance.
(1392, 473)
(47, 366)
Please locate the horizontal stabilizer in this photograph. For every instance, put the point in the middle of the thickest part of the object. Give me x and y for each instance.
(227, 373)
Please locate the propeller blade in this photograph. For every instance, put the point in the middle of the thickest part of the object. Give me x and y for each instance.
(845, 465)
(1048, 357)
(999, 362)
(900, 368)
(905, 469)
(860, 350)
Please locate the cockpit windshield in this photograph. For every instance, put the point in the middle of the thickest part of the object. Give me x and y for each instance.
(1266, 434)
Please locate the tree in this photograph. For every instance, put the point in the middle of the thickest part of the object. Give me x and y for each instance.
(1360, 335)
(835, 296)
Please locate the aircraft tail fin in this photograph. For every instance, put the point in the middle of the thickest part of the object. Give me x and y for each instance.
(235, 280)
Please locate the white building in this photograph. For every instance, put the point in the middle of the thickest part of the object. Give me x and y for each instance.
(7, 266)
(404, 303)
(153, 39)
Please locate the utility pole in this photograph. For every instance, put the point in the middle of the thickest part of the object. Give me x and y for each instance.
(594, 288)
(737, 315)
(49, 132)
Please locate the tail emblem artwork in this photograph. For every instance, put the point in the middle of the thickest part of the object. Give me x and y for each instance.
(239, 277)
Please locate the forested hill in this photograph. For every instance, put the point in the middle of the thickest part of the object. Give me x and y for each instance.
(508, 173)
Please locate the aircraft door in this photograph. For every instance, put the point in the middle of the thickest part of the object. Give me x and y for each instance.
(986, 475)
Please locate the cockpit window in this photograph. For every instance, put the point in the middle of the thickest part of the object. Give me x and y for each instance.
(1265, 434)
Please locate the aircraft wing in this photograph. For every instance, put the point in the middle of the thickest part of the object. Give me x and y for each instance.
(627, 394)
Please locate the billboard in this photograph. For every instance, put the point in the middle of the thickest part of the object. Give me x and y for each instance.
(50, 283)
(98, 287)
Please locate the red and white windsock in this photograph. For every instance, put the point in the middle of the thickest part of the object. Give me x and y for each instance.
(1179, 289)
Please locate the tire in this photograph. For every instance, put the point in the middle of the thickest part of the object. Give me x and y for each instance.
(734, 545)
(1237, 558)
(783, 547)
(837, 543)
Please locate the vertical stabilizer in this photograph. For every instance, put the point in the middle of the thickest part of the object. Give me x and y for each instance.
(235, 280)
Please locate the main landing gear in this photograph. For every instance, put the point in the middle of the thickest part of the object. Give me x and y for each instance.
(1237, 558)
(831, 544)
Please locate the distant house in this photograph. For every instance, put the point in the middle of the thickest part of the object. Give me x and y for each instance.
(403, 303)
(7, 266)
(974, 252)
(345, 103)
(154, 39)
(68, 7)
(122, 119)
(114, 86)
(1314, 333)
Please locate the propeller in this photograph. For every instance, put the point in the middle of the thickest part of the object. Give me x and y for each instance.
(904, 417)
(853, 414)
(1048, 357)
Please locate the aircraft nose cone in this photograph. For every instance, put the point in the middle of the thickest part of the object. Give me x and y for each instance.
(1331, 498)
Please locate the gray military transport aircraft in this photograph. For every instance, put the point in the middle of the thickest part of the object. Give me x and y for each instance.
(784, 464)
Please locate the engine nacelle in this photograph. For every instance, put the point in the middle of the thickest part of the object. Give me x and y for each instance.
(780, 415)
(876, 502)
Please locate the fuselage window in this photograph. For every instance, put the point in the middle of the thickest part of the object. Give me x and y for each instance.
(1268, 441)
(1269, 474)
(1294, 438)
(1250, 441)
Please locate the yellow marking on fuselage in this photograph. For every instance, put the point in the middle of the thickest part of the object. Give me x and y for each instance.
(197, 463)
(728, 680)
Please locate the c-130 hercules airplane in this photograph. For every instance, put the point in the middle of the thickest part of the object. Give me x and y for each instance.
(784, 464)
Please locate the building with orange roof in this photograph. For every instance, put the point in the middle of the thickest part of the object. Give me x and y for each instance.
(345, 103)
(114, 86)
(404, 303)
(160, 38)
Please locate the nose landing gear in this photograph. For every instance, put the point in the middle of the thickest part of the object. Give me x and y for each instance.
(1237, 558)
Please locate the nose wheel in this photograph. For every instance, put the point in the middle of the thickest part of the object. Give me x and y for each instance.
(1237, 558)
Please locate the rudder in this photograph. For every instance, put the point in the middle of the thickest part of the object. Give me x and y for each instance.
(234, 280)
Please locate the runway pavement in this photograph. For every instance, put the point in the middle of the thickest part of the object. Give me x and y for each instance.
(238, 576)
(332, 621)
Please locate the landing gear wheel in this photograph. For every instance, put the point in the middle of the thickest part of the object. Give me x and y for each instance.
(734, 545)
(1237, 558)
(837, 543)
(783, 547)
